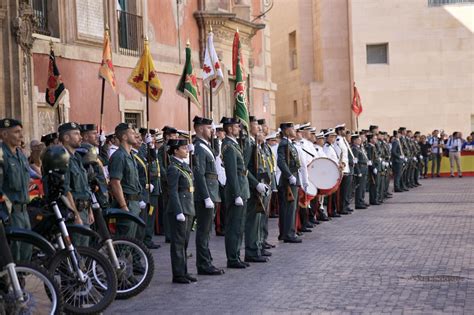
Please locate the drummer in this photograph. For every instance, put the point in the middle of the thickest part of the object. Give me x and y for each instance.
(318, 204)
(332, 153)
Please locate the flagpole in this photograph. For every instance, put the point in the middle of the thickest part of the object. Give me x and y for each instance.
(189, 129)
(102, 107)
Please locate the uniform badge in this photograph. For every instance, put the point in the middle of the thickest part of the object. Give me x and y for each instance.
(7, 123)
(73, 125)
(191, 189)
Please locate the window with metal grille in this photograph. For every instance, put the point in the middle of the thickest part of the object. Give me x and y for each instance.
(377, 54)
(433, 3)
(134, 119)
(46, 16)
(130, 28)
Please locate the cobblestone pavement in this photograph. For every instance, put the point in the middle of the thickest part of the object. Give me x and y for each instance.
(411, 255)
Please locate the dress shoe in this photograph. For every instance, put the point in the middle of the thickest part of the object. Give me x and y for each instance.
(360, 207)
(269, 245)
(220, 234)
(212, 271)
(317, 222)
(367, 205)
(191, 278)
(305, 230)
(460, 176)
(258, 259)
(246, 264)
(398, 190)
(266, 253)
(236, 265)
(350, 210)
(293, 240)
(299, 233)
(375, 203)
(151, 245)
(344, 212)
(405, 189)
(313, 221)
(335, 215)
(309, 225)
(183, 280)
(324, 218)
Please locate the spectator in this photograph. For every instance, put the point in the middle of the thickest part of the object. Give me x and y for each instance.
(426, 153)
(455, 146)
(437, 143)
(469, 144)
(36, 148)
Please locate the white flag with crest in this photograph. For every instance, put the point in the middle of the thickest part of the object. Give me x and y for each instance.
(211, 69)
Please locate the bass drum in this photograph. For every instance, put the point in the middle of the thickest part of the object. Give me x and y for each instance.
(306, 195)
(325, 174)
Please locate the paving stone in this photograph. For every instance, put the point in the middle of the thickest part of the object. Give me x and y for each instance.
(369, 262)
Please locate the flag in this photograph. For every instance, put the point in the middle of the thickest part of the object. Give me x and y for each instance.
(211, 69)
(55, 86)
(187, 86)
(356, 104)
(145, 72)
(240, 91)
(106, 70)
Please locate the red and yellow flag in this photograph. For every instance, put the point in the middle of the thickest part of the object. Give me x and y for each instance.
(145, 72)
(356, 103)
(106, 70)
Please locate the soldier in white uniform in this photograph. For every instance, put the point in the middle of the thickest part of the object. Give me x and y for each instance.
(346, 157)
(305, 158)
(330, 149)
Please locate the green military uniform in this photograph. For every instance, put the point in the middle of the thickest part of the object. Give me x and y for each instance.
(140, 158)
(14, 180)
(256, 204)
(207, 187)
(397, 159)
(164, 161)
(269, 169)
(236, 186)
(76, 182)
(388, 168)
(95, 171)
(155, 177)
(181, 200)
(374, 170)
(361, 171)
(381, 171)
(123, 167)
(407, 154)
(289, 164)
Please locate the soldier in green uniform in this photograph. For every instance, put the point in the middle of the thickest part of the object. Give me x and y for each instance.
(180, 210)
(361, 171)
(388, 164)
(378, 148)
(374, 168)
(124, 182)
(289, 164)
(258, 186)
(406, 153)
(50, 139)
(90, 136)
(14, 180)
(398, 159)
(270, 168)
(155, 192)
(163, 158)
(206, 194)
(236, 192)
(76, 184)
(140, 157)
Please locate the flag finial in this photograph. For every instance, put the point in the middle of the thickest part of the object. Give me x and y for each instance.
(146, 38)
(237, 30)
(51, 44)
(188, 43)
(107, 27)
(210, 28)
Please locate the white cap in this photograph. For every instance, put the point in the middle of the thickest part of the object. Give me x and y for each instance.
(330, 132)
(340, 126)
(273, 135)
(320, 135)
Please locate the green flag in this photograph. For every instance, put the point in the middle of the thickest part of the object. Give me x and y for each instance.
(187, 86)
(240, 91)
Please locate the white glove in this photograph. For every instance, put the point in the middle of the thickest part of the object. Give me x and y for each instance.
(369, 163)
(406, 159)
(238, 201)
(152, 187)
(102, 138)
(292, 180)
(261, 187)
(180, 217)
(191, 147)
(415, 159)
(356, 160)
(421, 157)
(380, 159)
(209, 204)
(142, 204)
(375, 171)
(148, 138)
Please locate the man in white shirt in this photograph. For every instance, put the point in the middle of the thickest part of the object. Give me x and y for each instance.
(346, 183)
(331, 153)
(436, 143)
(455, 146)
(305, 158)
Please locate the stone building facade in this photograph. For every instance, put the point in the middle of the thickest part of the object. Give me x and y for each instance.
(412, 61)
(76, 29)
